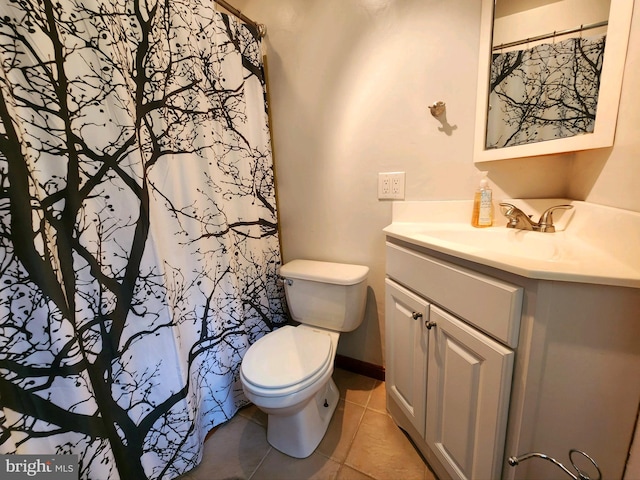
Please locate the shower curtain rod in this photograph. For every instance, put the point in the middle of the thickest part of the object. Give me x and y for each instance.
(262, 29)
(551, 35)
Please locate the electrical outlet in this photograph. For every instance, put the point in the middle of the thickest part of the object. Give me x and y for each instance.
(391, 186)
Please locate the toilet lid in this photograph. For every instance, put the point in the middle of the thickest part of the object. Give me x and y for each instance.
(286, 357)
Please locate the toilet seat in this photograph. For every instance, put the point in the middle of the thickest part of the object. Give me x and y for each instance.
(286, 361)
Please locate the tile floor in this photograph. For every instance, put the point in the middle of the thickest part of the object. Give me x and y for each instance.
(362, 443)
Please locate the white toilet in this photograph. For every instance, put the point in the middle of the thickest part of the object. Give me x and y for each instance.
(287, 373)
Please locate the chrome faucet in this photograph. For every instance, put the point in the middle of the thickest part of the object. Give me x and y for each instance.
(520, 220)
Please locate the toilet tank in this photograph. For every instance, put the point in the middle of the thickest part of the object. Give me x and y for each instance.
(324, 294)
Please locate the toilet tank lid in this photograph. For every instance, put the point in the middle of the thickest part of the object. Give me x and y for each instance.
(327, 272)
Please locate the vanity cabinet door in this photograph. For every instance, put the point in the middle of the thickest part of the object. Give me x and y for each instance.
(469, 384)
(406, 352)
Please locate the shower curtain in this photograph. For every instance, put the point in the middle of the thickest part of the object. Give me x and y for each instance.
(545, 92)
(139, 243)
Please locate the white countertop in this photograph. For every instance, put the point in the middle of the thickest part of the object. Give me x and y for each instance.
(594, 244)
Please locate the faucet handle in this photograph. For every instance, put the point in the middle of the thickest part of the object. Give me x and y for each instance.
(508, 209)
(517, 218)
(546, 219)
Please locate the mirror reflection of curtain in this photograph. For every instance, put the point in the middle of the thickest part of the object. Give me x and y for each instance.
(139, 243)
(545, 92)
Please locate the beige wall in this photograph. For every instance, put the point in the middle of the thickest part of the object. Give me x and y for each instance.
(611, 176)
(350, 83)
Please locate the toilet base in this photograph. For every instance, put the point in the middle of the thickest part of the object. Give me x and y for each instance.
(299, 434)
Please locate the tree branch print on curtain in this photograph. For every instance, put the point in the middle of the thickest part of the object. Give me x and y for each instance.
(139, 244)
(545, 92)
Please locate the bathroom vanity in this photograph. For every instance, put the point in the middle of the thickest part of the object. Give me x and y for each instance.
(501, 343)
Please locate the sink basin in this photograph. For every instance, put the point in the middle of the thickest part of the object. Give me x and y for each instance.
(501, 245)
(502, 240)
(598, 244)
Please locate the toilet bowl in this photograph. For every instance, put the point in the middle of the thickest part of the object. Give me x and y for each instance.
(287, 373)
(299, 396)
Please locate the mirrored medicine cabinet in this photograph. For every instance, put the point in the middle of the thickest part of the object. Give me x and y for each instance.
(550, 75)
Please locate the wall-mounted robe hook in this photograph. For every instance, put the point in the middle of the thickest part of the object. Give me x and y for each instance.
(437, 109)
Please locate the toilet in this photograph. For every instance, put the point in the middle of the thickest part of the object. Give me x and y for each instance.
(287, 373)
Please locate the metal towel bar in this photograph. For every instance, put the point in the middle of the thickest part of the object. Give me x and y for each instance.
(581, 475)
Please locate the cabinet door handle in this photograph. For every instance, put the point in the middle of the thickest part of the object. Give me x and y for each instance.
(429, 324)
(416, 315)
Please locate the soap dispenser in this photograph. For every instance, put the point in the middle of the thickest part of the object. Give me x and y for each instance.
(482, 215)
